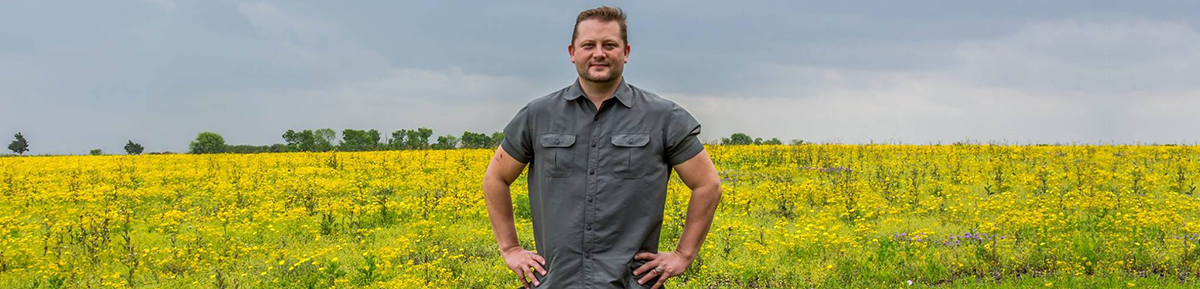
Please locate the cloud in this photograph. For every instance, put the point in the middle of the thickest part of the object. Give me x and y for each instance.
(1104, 57)
(1059, 81)
(160, 71)
(449, 101)
(311, 44)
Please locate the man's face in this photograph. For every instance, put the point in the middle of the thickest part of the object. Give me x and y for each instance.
(598, 52)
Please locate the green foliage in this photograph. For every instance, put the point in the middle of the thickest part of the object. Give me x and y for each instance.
(446, 142)
(19, 145)
(96, 152)
(359, 140)
(333, 271)
(323, 139)
(745, 139)
(497, 137)
(369, 271)
(207, 143)
(737, 139)
(133, 148)
(397, 140)
(411, 139)
(320, 140)
(471, 140)
(253, 149)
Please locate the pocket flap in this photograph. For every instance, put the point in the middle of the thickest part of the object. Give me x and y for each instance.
(631, 139)
(557, 140)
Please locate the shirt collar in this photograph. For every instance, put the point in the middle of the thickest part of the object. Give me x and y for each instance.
(624, 93)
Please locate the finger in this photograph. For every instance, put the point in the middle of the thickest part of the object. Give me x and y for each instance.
(540, 269)
(645, 256)
(644, 267)
(661, 280)
(649, 275)
(529, 273)
(539, 259)
(521, 275)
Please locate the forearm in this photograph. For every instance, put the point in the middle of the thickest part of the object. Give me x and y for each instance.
(498, 198)
(701, 208)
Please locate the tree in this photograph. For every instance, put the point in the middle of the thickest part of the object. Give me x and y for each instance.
(207, 143)
(497, 137)
(397, 141)
(446, 142)
(359, 140)
(737, 139)
(303, 141)
(19, 145)
(471, 140)
(417, 139)
(279, 148)
(292, 139)
(96, 152)
(133, 148)
(773, 141)
(323, 139)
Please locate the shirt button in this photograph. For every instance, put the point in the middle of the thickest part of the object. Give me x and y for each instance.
(589, 227)
(589, 200)
(593, 144)
(591, 172)
(587, 255)
(557, 141)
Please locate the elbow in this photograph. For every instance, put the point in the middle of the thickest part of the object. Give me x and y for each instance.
(490, 178)
(714, 191)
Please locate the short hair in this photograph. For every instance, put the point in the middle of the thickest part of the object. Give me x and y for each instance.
(604, 14)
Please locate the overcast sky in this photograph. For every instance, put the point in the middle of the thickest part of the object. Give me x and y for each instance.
(78, 75)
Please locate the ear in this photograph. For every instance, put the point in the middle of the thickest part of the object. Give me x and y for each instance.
(571, 52)
(627, 47)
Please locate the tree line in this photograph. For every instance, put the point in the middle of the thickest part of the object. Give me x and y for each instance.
(325, 139)
(745, 139)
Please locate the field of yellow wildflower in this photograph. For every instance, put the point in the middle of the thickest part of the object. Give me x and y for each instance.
(790, 216)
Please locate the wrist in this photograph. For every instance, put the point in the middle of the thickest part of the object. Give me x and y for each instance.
(689, 256)
(506, 249)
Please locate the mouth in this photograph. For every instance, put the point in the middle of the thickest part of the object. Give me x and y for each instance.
(598, 65)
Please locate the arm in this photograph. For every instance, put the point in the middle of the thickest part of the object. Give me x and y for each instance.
(500, 174)
(701, 177)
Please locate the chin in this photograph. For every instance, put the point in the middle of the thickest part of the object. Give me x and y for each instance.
(602, 78)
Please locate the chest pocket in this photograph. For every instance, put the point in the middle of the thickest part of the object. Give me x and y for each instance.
(557, 162)
(631, 155)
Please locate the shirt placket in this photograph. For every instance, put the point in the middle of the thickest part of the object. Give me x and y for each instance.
(591, 209)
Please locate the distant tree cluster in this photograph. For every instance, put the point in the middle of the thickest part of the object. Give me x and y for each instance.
(133, 148)
(745, 139)
(19, 145)
(323, 140)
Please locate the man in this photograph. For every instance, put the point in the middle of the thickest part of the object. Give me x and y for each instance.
(600, 152)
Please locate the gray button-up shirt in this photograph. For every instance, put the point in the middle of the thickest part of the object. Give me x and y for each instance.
(598, 179)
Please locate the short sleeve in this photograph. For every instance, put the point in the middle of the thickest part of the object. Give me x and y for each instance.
(518, 141)
(682, 139)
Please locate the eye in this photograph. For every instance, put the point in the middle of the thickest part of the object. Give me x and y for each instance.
(588, 46)
(610, 45)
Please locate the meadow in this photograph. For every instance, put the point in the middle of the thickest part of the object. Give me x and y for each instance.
(810, 215)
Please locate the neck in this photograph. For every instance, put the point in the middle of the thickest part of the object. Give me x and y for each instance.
(599, 91)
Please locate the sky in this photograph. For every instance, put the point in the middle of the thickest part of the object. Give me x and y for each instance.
(82, 75)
